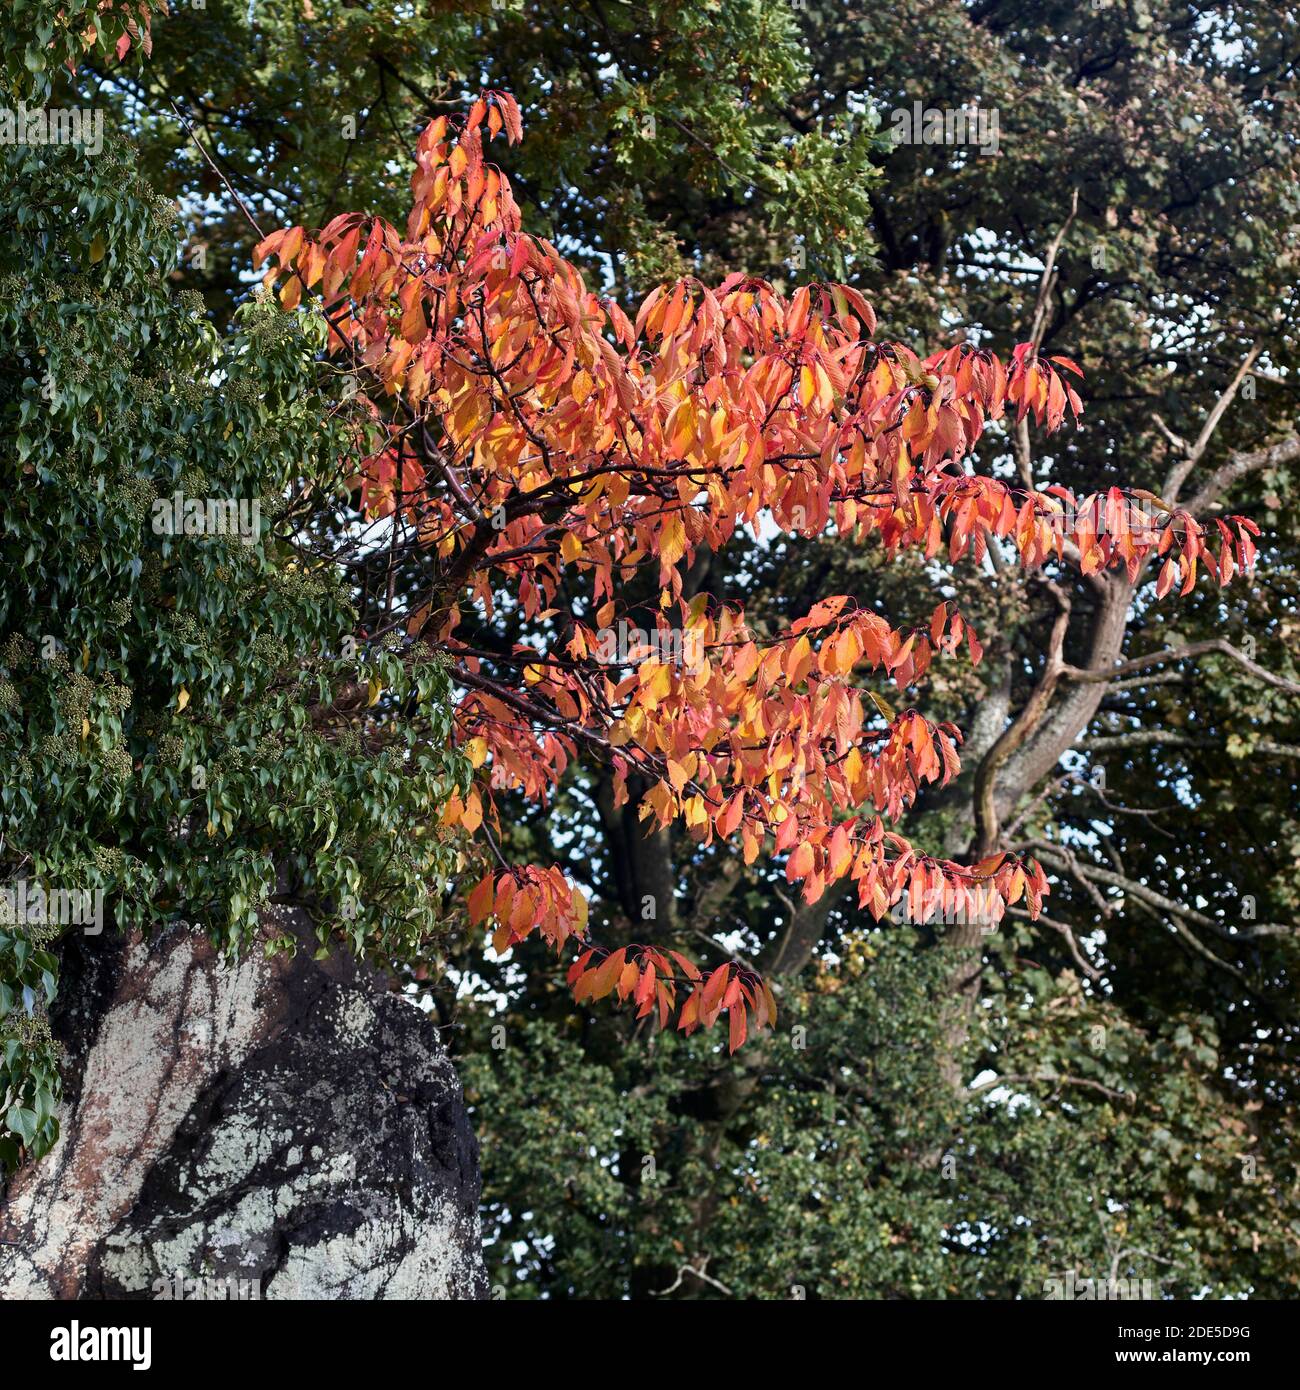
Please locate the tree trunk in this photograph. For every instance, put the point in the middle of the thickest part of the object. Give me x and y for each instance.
(292, 1125)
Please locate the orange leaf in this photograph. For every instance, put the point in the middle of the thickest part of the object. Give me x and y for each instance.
(800, 863)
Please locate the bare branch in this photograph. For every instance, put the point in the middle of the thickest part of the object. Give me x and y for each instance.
(1085, 965)
(1176, 440)
(1193, 649)
(1161, 907)
(684, 1270)
(1038, 327)
(1025, 1079)
(1192, 454)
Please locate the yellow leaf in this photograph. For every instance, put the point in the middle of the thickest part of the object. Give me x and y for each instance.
(476, 751)
(570, 547)
(883, 705)
(656, 681)
(672, 540)
(182, 699)
(85, 728)
(374, 688)
(799, 661)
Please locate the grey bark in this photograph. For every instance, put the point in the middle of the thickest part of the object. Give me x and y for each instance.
(290, 1124)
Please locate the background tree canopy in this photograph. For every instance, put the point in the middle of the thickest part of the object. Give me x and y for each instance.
(1108, 1091)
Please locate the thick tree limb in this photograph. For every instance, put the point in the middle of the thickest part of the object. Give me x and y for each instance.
(1141, 738)
(1239, 465)
(986, 812)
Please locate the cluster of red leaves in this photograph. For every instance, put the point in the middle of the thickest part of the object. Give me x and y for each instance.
(526, 898)
(534, 430)
(522, 900)
(647, 977)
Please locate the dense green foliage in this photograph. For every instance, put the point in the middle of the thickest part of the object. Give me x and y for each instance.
(841, 1176)
(657, 137)
(183, 717)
